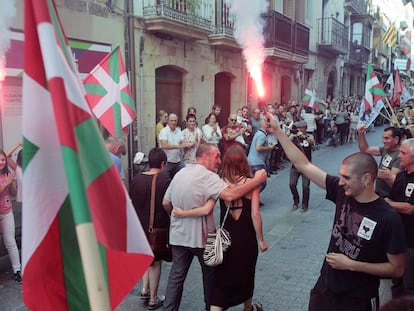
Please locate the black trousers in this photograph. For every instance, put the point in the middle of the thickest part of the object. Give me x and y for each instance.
(323, 299)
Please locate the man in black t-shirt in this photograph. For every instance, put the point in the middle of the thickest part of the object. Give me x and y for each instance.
(304, 142)
(401, 198)
(367, 239)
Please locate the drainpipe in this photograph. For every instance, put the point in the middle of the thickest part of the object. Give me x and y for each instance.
(130, 68)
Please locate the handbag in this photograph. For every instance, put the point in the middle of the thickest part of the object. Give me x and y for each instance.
(158, 238)
(217, 243)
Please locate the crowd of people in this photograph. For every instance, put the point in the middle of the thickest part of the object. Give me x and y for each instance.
(372, 232)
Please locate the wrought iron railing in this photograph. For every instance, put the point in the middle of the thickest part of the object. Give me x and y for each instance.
(282, 32)
(198, 15)
(224, 18)
(334, 33)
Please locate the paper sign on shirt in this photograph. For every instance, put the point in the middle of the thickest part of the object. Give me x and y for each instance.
(366, 228)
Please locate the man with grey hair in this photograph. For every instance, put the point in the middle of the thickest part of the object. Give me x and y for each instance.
(116, 148)
(194, 186)
(401, 198)
(171, 141)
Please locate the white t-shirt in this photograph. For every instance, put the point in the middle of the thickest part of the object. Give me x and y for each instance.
(173, 138)
(191, 187)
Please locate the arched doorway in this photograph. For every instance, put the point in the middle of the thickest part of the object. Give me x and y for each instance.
(168, 90)
(222, 95)
(330, 85)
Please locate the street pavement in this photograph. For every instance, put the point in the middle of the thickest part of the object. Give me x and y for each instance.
(285, 273)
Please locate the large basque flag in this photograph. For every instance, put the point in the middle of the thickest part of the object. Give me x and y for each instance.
(109, 95)
(373, 90)
(70, 184)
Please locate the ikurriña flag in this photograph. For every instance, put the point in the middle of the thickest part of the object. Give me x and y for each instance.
(373, 90)
(109, 96)
(310, 99)
(70, 185)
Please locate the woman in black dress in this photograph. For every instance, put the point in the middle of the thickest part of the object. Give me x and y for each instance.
(234, 283)
(141, 198)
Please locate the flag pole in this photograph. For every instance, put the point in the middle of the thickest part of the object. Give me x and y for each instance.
(394, 118)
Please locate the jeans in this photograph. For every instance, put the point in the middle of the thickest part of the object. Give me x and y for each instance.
(405, 285)
(256, 168)
(181, 260)
(8, 230)
(293, 182)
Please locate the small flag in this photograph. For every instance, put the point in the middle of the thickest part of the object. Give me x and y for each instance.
(398, 90)
(72, 192)
(390, 36)
(390, 82)
(109, 95)
(310, 99)
(373, 90)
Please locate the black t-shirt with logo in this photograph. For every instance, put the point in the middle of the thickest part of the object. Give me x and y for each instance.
(403, 191)
(363, 232)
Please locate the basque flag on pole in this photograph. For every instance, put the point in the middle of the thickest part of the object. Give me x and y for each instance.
(109, 96)
(83, 245)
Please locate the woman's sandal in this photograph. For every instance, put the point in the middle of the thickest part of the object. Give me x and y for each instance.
(145, 296)
(257, 306)
(158, 303)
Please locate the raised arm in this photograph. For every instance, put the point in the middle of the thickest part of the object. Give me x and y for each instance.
(204, 210)
(297, 157)
(9, 153)
(363, 144)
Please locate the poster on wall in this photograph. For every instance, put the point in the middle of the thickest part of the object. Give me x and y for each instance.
(87, 55)
(11, 111)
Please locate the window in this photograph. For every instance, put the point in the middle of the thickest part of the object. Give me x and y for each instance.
(357, 33)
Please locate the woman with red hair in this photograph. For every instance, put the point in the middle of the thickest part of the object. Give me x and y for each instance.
(234, 278)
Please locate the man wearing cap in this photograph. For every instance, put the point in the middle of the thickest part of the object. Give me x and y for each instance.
(304, 142)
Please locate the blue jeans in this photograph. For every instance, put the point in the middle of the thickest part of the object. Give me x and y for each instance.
(256, 168)
(181, 261)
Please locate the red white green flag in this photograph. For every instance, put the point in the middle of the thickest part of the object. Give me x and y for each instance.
(310, 99)
(109, 95)
(70, 184)
(373, 90)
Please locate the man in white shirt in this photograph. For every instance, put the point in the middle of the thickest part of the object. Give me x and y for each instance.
(171, 141)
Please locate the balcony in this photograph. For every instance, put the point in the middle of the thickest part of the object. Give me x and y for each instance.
(285, 39)
(175, 18)
(332, 36)
(224, 28)
(359, 56)
(355, 6)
